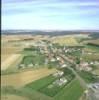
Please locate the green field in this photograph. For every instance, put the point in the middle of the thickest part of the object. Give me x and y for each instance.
(88, 77)
(71, 92)
(92, 47)
(41, 83)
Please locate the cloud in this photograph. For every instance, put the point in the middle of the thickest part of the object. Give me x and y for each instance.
(49, 13)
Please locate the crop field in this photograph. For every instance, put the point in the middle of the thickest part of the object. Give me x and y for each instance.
(11, 59)
(25, 77)
(69, 41)
(4, 57)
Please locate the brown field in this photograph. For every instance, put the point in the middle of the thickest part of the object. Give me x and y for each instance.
(22, 78)
(12, 97)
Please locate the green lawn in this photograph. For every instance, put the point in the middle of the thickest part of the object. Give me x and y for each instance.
(71, 92)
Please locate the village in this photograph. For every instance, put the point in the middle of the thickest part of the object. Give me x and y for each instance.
(53, 67)
(45, 53)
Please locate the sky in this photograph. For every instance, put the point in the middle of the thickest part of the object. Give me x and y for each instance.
(50, 14)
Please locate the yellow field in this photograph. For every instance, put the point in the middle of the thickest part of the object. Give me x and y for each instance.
(22, 78)
(12, 58)
(70, 41)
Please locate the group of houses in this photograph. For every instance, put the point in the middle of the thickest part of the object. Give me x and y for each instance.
(61, 79)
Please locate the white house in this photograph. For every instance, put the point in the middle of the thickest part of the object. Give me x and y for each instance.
(63, 66)
(60, 82)
(58, 74)
(58, 58)
(30, 65)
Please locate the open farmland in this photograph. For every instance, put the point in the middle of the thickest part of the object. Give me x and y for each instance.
(22, 78)
(37, 67)
(69, 41)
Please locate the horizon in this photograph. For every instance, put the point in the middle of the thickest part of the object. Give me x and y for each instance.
(59, 15)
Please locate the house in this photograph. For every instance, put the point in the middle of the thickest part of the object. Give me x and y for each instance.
(30, 65)
(21, 66)
(63, 66)
(58, 74)
(60, 82)
(91, 63)
(58, 58)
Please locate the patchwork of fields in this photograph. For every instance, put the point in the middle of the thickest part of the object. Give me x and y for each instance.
(27, 75)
